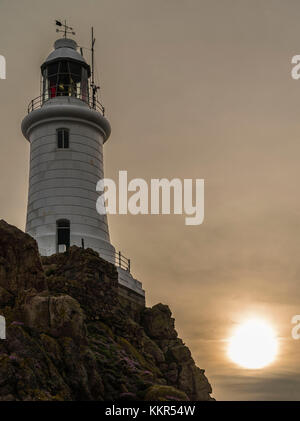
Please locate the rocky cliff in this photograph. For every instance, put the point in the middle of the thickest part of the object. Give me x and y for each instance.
(71, 337)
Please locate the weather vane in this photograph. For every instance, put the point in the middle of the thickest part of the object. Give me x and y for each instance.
(66, 29)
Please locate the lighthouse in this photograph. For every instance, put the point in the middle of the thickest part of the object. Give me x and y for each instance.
(67, 129)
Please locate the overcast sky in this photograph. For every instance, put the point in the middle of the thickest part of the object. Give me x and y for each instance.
(193, 89)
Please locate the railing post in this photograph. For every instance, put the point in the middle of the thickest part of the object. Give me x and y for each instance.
(120, 259)
(128, 267)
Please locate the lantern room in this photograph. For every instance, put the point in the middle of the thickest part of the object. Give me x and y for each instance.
(65, 72)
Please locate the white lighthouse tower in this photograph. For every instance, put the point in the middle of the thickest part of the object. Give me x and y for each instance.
(67, 129)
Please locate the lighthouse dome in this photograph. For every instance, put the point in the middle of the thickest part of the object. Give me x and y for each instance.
(65, 49)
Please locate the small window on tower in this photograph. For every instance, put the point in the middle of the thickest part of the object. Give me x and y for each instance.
(63, 138)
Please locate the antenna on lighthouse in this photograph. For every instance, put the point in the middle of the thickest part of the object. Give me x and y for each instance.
(66, 29)
(93, 85)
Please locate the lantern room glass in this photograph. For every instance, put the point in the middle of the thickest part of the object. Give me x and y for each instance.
(65, 78)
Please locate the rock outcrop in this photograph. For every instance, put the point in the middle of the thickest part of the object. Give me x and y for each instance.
(70, 337)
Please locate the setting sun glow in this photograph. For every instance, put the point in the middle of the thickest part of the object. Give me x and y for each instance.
(253, 345)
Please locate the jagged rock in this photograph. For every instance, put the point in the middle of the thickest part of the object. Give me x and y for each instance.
(158, 323)
(193, 381)
(180, 353)
(202, 387)
(20, 264)
(58, 316)
(70, 337)
(83, 275)
(172, 373)
(153, 349)
(6, 298)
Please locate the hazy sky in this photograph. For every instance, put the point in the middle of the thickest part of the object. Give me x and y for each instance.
(193, 89)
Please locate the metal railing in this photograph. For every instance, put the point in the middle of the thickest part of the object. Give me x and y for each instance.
(68, 91)
(117, 258)
(123, 262)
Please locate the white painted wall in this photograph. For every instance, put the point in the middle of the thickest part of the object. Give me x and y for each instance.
(63, 181)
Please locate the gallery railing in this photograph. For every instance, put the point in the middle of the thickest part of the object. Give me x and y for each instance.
(67, 91)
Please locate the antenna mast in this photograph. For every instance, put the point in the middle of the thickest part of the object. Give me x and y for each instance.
(94, 87)
(93, 56)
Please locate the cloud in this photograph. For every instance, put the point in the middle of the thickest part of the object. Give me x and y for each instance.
(283, 387)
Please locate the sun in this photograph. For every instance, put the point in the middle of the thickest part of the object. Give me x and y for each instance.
(253, 345)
